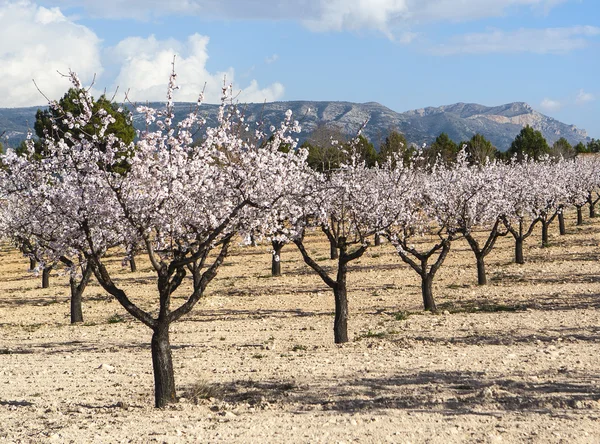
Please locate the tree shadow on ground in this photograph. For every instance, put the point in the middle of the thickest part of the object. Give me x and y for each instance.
(545, 302)
(444, 392)
(502, 337)
(232, 315)
(16, 403)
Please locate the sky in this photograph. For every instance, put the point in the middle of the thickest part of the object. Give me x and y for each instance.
(404, 54)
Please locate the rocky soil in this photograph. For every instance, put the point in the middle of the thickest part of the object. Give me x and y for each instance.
(515, 361)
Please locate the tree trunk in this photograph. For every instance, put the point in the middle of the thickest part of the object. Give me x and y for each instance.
(545, 238)
(276, 258)
(162, 363)
(77, 290)
(32, 263)
(333, 251)
(46, 277)
(481, 277)
(519, 251)
(426, 289)
(340, 324)
(579, 216)
(76, 296)
(592, 209)
(377, 239)
(132, 264)
(561, 224)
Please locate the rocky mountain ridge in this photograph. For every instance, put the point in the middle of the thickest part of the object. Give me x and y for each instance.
(460, 121)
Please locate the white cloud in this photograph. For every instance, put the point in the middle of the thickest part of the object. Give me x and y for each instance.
(35, 43)
(146, 65)
(584, 97)
(387, 16)
(539, 41)
(550, 105)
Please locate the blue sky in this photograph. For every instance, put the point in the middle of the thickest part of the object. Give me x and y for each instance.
(404, 54)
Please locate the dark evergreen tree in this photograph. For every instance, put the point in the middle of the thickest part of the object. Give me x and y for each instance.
(529, 142)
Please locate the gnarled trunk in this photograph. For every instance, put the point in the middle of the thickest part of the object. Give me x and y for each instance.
(562, 229)
(377, 239)
(77, 290)
(46, 277)
(427, 292)
(481, 276)
(579, 216)
(132, 264)
(340, 323)
(162, 364)
(276, 258)
(76, 297)
(545, 237)
(32, 263)
(519, 259)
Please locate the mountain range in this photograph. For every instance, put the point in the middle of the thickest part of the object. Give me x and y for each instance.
(499, 124)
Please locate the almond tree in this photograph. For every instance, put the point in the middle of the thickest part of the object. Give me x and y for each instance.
(552, 195)
(582, 181)
(521, 215)
(31, 221)
(345, 205)
(481, 203)
(181, 200)
(431, 211)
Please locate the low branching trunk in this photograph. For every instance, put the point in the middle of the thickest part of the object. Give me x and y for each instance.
(562, 228)
(132, 264)
(427, 293)
(276, 258)
(377, 239)
(77, 289)
(520, 235)
(340, 323)
(32, 263)
(170, 277)
(422, 267)
(481, 252)
(46, 276)
(162, 364)
(340, 292)
(546, 222)
(592, 203)
(579, 215)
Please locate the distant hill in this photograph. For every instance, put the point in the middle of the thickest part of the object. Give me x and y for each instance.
(500, 124)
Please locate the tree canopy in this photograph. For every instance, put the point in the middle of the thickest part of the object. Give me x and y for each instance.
(395, 143)
(562, 148)
(443, 147)
(479, 149)
(56, 122)
(529, 142)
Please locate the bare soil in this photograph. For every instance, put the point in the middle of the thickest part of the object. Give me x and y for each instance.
(515, 361)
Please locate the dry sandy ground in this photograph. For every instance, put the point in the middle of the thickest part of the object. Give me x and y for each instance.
(516, 361)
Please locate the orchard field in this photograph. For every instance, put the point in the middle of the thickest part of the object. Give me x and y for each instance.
(515, 361)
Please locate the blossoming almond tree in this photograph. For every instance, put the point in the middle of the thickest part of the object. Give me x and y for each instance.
(431, 211)
(181, 200)
(481, 203)
(582, 180)
(344, 204)
(31, 220)
(522, 188)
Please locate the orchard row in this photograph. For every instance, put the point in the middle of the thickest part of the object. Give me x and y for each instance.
(183, 203)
